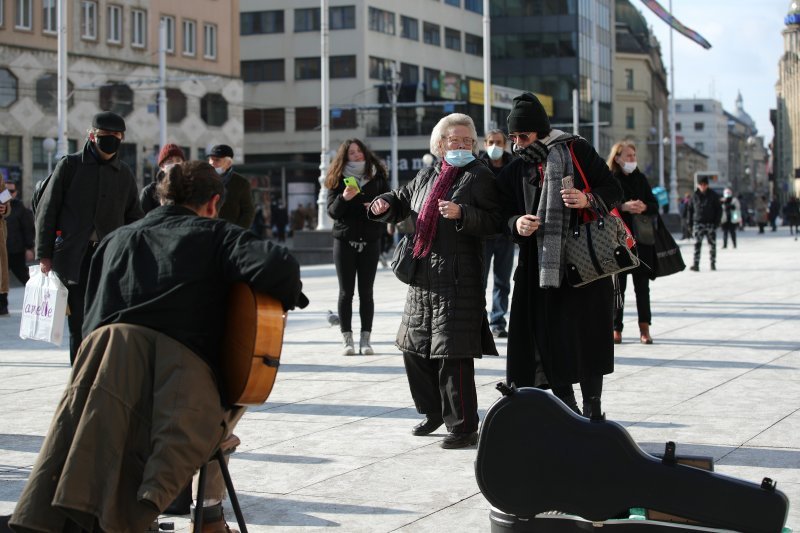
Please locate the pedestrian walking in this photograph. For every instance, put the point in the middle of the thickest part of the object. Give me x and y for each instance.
(356, 238)
(705, 214)
(237, 201)
(21, 238)
(444, 326)
(683, 208)
(761, 212)
(731, 215)
(5, 210)
(500, 246)
(558, 335)
(90, 194)
(791, 216)
(773, 210)
(170, 154)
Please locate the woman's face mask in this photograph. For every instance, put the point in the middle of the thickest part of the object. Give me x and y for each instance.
(459, 158)
(494, 152)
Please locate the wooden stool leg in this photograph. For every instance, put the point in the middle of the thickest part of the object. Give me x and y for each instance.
(231, 492)
(198, 507)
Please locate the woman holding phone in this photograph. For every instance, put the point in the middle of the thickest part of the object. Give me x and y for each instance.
(355, 177)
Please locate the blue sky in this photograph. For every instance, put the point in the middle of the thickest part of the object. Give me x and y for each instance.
(746, 45)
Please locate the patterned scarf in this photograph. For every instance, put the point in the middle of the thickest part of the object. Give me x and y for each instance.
(554, 217)
(428, 218)
(536, 152)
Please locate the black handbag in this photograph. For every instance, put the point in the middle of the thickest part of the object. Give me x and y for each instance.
(644, 229)
(403, 263)
(668, 254)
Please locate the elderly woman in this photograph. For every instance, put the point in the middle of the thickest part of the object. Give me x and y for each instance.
(444, 326)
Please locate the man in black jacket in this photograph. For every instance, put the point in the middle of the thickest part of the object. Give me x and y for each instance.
(90, 194)
(20, 239)
(705, 214)
(237, 202)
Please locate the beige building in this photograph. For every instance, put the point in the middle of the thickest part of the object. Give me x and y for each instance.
(113, 65)
(640, 91)
(787, 125)
(689, 160)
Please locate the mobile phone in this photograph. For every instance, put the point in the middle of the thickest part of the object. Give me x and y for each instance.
(567, 182)
(5, 196)
(350, 181)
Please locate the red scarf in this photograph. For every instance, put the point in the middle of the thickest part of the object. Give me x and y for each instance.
(428, 218)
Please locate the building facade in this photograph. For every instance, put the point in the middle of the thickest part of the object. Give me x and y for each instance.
(112, 65)
(703, 124)
(786, 146)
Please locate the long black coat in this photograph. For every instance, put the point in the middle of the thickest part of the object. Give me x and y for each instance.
(350, 217)
(444, 315)
(569, 330)
(636, 187)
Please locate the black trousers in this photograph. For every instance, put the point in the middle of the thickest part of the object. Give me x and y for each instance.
(76, 298)
(641, 286)
(16, 264)
(729, 228)
(446, 388)
(351, 263)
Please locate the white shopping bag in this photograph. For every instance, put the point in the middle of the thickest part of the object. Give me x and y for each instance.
(44, 307)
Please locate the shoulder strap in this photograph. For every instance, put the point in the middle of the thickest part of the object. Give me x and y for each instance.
(577, 165)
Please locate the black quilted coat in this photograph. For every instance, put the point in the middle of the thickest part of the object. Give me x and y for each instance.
(444, 315)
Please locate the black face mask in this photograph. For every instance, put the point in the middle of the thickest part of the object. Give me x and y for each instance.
(108, 144)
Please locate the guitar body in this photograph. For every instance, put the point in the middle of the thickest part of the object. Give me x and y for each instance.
(252, 345)
(535, 455)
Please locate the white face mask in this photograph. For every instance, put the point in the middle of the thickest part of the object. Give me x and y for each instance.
(220, 170)
(628, 166)
(166, 167)
(494, 152)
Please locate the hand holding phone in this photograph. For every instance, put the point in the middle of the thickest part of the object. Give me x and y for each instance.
(567, 182)
(350, 181)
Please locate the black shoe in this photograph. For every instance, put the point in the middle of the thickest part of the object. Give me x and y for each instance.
(427, 426)
(459, 440)
(499, 332)
(713, 267)
(695, 268)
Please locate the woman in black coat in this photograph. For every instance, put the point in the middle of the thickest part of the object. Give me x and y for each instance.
(637, 199)
(444, 325)
(558, 335)
(356, 239)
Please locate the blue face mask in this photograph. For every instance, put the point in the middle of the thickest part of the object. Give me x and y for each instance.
(459, 158)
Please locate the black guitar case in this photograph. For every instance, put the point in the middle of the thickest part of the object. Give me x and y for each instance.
(536, 455)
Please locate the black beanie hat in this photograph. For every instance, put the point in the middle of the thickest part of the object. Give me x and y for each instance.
(528, 114)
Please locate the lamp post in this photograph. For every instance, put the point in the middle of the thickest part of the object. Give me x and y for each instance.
(49, 145)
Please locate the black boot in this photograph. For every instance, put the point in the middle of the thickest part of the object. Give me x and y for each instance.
(4, 303)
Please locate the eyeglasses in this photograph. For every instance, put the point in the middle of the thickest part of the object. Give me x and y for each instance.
(519, 136)
(455, 141)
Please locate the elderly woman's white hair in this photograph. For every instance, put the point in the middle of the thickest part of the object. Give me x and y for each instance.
(440, 132)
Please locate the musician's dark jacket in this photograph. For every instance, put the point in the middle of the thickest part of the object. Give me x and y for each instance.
(569, 329)
(171, 271)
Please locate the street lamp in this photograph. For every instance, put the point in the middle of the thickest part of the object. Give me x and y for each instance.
(49, 145)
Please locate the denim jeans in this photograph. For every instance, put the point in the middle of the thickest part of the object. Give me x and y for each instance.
(502, 248)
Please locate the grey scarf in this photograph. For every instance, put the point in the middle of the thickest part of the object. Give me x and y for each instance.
(554, 217)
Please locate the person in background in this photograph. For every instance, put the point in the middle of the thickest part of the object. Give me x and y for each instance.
(637, 199)
(558, 335)
(21, 238)
(791, 216)
(444, 326)
(705, 213)
(773, 210)
(279, 220)
(356, 239)
(90, 194)
(731, 215)
(500, 246)
(761, 212)
(683, 208)
(170, 154)
(5, 210)
(237, 201)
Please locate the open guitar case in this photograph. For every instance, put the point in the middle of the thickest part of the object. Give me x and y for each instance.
(545, 469)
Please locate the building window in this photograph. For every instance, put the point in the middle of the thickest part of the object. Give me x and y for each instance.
(138, 28)
(47, 93)
(189, 37)
(343, 119)
(342, 66)
(306, 118)
(700, 147)
(699, 126)
(259, 22)
(176, 106)
(24, 15)
(473, 44)
(699, 108)
(8, 88)
(381, 21)
(342, 18)
(431, 34)
(114, 28)
(210, 41)
(409, 74)
(476, 6)
(89, 20)
(409, 28)
(452, 39)
(263, 70)
(306, 19)
(456, 3)
(629, 79)
(169, 21)
(260, 120)
(432, 84)
(117, 98)
(630, 122)
(306, 68)
(48, 16)
(214, 109)
(677, 126)
(2, 13)
(10, 148)
(379, 68)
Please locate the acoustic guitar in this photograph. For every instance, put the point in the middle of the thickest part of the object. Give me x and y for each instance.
(252, 345)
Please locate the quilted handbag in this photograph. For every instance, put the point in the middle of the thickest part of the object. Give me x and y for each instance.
(403, 263)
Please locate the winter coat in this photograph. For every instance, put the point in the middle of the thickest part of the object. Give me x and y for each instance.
(237, 203)
(350, 222)
(444, 315)
(731, 211)
(636, 187)
(97, 197)
(760, 208)
(21, 233)
(791, 212)
(705, 208)
(564, 332)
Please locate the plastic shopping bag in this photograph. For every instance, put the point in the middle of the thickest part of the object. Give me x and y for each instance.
(44, 307)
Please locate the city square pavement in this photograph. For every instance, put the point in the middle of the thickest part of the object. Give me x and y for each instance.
(331, 450)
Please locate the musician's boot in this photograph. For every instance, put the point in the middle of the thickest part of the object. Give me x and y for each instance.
(213, 521)
(349, 347)
(363, 344)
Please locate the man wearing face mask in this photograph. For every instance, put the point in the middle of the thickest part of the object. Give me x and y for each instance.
(237, 202)
(501, 247)
(90, 194)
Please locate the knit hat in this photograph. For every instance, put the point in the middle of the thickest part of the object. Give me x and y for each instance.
(702, 179)
(528, 114)
(169, 150)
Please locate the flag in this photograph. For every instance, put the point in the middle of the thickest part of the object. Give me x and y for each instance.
(667, 17)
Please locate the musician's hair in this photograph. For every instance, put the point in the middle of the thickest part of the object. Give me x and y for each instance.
(191, 184)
